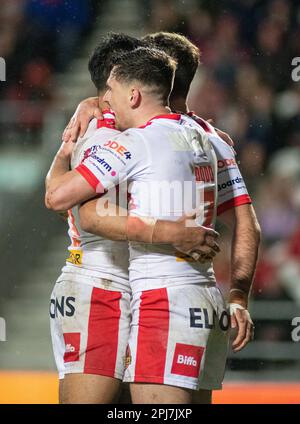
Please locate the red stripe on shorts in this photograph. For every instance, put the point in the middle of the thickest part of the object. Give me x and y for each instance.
(103, 332)
(152, 337)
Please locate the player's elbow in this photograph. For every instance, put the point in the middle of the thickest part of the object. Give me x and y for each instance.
(55, 201)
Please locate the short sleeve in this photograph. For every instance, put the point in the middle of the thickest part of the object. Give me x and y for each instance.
(232, 190)
(109, 162)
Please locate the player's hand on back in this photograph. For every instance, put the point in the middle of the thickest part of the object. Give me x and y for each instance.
(87, 110)
(223, 135)
(197, 241)
(241, 323)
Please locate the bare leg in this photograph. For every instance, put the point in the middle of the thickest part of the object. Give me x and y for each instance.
(156, 393)
(88, 389)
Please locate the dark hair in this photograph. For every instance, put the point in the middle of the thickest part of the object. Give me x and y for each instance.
(110, 46)
(153, 68)
(186, 54)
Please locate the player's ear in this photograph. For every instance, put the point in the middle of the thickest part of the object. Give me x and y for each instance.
(135, 98)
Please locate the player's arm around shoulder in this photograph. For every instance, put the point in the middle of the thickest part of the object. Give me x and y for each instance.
(66, 188)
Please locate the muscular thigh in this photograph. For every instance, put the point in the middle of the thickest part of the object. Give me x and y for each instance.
(88, 389)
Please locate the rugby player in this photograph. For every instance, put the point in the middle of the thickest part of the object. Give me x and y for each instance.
(163, 350)
(236, 209)
(89, 309)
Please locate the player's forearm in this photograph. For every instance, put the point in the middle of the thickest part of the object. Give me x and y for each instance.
(59, 167)
(112, 227)
(245, 244)
(117, 226)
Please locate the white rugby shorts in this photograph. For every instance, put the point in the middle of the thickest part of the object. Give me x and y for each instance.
(89, 329)
(178, 337)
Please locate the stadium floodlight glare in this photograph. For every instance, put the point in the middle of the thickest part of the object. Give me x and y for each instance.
(2, 330)
(2, 69)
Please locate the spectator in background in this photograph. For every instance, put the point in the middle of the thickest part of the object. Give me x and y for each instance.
(37, 38)
(57, 27)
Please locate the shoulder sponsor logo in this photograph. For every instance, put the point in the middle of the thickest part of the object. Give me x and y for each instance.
(230, 183)
(105, 166)
(91, 151)
(118, 148)
(72, 347)
(187, 360)
(226, 163)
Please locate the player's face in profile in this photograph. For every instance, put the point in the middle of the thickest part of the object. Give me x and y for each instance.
(117, 96)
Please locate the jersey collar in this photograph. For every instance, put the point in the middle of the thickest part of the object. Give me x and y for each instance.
(172, 116)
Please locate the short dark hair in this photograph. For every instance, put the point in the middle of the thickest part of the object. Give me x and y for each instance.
(186, 54)
(101, 61)
(152, 67)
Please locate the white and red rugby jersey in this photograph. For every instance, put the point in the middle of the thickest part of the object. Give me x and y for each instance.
(232, 190)
(91, 255)
(163, 163)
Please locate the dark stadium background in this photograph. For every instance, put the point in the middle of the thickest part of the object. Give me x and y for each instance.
(246, 84)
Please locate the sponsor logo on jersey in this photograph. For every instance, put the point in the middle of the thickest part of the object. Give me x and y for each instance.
(91, 151)
(64, 306)
(75, 257)
(72, 347)
(226, 163)
(200, 318)
(230, 183)
(204, 173)
(187, 360)
(118, 148)
(103, 163)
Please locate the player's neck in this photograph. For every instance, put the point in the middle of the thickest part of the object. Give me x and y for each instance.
(179, 104)
(143, 115)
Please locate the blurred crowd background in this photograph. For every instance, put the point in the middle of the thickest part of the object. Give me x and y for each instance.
(244, 84)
